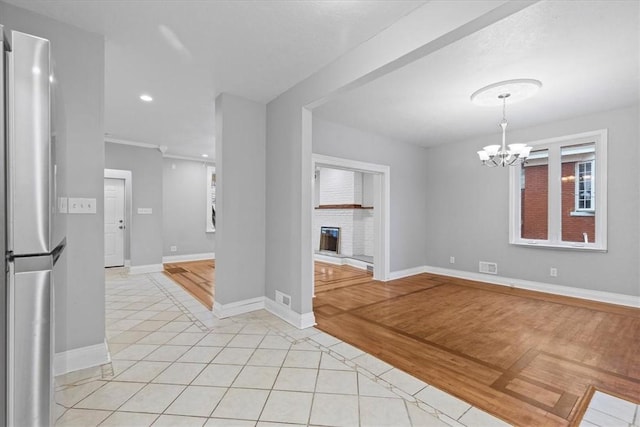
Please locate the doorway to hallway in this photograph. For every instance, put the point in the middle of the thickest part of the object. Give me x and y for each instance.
(114, 222)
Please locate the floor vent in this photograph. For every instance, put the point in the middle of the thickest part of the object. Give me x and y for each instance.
(488, 267)
(370, 268)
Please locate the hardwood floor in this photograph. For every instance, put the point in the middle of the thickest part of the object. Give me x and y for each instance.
(196, 277)
(328, 277)
(526, 357)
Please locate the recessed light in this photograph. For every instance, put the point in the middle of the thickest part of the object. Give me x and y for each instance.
(146, 98)
(205, 155)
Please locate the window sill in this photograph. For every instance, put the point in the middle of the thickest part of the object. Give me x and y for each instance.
(575, 246)
(582, 213)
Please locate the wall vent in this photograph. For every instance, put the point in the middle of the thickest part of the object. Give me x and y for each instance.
(283, 299)
(488, 267)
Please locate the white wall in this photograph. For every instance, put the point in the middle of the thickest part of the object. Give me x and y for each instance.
(356, 229)
(79, 61)
(240, 199)
(339, 187)
(344, 187)
(146, 231)
(184, 208)
(468, 215)
(367, 190)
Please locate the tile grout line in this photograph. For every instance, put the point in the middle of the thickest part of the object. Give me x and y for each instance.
(376, 378)
(271, 329)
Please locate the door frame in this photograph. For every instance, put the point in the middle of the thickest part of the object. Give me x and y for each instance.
(125, 175)
(381, 207)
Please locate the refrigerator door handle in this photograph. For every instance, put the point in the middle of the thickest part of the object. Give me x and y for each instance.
(10, 166)
(10, 375)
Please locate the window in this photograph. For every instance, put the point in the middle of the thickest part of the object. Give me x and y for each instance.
(558, 197)
(584, 186)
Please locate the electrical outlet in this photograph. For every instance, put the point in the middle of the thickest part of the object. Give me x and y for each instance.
(553, 272)
(173, 248)
(452, 260)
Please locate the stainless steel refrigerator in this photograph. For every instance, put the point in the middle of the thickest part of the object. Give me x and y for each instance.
(33, 231)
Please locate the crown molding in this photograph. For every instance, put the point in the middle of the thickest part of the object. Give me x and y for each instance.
(160, 148)
(191, 159)
(129, 142)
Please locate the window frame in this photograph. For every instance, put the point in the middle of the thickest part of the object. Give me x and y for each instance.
(554, 214)
(577, 209)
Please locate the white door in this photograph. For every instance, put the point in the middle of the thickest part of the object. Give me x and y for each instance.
(114, 224)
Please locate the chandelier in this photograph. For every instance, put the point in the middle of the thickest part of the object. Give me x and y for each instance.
(495, 94)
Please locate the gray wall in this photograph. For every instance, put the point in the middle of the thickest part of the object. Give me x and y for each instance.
(145, 165)
(79, 60)
(289, 266)
(184, 204)
(408, 174)
(468, 210)
(240, 199)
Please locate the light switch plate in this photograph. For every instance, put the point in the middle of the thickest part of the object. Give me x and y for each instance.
(89, 206)
(63, 204)
(78, 205)
(145, 211)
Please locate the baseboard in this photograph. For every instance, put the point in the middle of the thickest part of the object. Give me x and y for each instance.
(588, 294)
(356, 263)
(341, 261)
(127, 263)
(328, 259)
(81, 358)
(143, 269)
(300, 321)
(406, 273)
(188, 257)
(239, 307)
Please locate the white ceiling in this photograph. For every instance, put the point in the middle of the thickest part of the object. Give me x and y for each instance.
(586, 53)
(184, 53)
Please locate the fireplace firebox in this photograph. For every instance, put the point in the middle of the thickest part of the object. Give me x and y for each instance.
(330, 239)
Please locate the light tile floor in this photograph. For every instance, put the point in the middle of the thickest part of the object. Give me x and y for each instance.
(174, 363)
(609, 411)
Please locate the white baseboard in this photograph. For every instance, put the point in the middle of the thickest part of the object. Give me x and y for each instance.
(328, 259)
(341, 261)
(143, 269)
(356, 263)
(239, 307)
(127, 263)
(300, 321)
(406, 273)
(588, 294)
(189, 257)
(81, 358)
